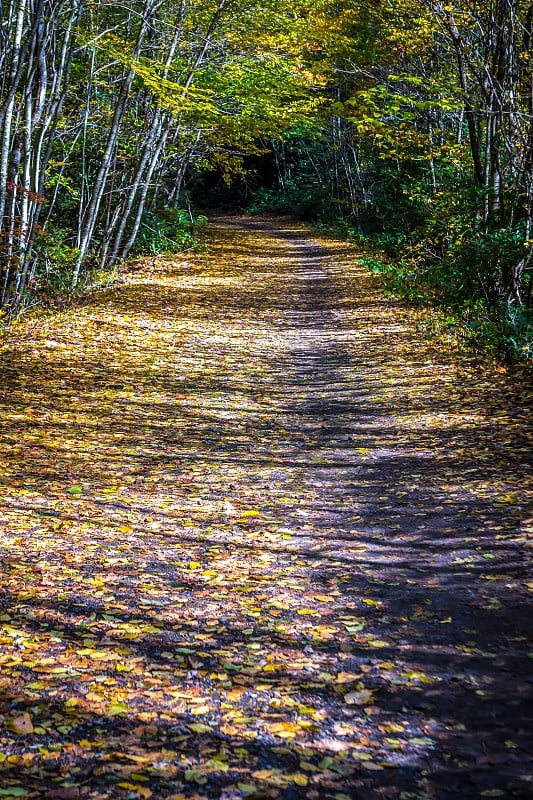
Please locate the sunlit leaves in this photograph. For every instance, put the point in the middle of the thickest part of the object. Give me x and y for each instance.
(257, 591)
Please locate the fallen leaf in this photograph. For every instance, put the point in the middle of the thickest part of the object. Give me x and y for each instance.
(359, 698)
(348, 677)
(142, 791)
(21, 724)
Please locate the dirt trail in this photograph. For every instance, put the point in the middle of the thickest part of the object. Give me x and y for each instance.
(260, 538)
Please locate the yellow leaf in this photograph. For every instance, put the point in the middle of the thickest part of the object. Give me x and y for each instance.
(324, 598)
(272, 776)
(417, 676)
(348, 677)
(393, 727)
(199, 710)
(511, 497)
(285, 730)
(195, 565)
(142, 791)
(251, 513)
(137, 759)
(97, 655)
(307, 612)
(117, 709)
(299, 779)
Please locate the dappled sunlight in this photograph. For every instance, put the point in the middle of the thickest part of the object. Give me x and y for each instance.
(260, 539)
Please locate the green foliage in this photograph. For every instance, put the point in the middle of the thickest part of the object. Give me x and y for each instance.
(298, 196)
(305, 186)
(380, 119)
(422, 218)
(479, 265)
(465, 280)
(55, 261)
(399, 278)
(135, 99)
(169, 230)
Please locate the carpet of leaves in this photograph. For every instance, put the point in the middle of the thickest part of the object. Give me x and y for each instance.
(261, 537)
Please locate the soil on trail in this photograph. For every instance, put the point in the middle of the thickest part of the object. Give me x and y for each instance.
(261, 537)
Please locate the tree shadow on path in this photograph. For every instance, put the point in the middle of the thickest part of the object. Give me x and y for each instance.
(258, 532)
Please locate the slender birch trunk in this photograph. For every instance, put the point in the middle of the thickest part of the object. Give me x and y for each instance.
(91, 215)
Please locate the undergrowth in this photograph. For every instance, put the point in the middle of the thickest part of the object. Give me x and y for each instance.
(461, 286)
(50, 285)
(504, 331)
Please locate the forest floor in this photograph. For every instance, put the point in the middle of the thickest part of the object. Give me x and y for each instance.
(262, 537)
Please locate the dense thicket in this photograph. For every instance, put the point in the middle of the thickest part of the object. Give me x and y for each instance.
(428, 151)
(408, 121)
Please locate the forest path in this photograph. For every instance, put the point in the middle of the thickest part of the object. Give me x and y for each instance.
(261, 538)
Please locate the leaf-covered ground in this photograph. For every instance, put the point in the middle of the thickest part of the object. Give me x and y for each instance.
(261, 538)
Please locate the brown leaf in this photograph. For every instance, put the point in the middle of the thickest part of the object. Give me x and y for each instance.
(21, 724)
(63, 793)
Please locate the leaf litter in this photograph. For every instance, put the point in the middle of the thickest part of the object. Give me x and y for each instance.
(261, 537)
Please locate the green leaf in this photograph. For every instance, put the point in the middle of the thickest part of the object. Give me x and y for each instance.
(200, 727)
(195, 776)
(117, 709)
(247, 788)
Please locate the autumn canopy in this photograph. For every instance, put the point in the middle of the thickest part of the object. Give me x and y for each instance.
(265, 427)
(408, 122)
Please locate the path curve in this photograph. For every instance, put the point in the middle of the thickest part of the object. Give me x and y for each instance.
(262, 537)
